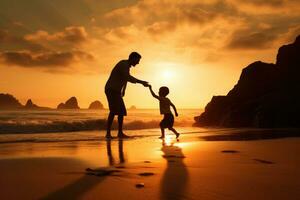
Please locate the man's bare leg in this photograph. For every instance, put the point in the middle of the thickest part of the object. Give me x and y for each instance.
(162, 133)
(110, 120)
(120, 127)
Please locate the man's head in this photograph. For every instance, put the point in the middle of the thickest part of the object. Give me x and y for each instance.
(163, 91)
(134, 58)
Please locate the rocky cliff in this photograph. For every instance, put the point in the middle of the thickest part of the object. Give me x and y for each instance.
(266, 95)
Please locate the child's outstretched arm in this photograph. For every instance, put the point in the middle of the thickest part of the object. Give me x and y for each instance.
(153, 94)
(174, 108)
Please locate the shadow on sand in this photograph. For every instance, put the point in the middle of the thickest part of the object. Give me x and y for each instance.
(78, 188)
(175, 177)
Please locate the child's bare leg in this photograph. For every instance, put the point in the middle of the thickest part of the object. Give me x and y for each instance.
(162, 133)
(174, 131)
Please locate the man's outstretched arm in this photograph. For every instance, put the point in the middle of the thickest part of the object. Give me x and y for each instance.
(125, 73)
(135, 80)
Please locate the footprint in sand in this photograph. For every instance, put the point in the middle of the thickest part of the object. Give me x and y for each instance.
(100, 172)
(146, 174)
(230, 151)
(172, 156)
(120, 167)
(139, 185)
(263, 161)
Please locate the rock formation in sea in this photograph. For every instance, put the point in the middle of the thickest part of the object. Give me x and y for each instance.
(69, 104)
(8, 101)
(96, 105)
(266, 95)
(30, 105)
(132, 107)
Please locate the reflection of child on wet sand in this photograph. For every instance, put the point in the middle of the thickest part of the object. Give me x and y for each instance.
(164, 106)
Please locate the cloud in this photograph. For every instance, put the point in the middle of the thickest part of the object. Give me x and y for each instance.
(43, 50)
(73, 34)
(272, 3)
(199, 29)
(149, 12)
(270, 7)
(248, 39)
(262, 31)
(159, 28)
(179, 22)
(9, 41)
(43, 60)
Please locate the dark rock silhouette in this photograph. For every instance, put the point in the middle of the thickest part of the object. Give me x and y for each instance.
(69, 104)
(30, 105)
(7, 101)
(132, 107)
(61, 106)
(96, 105)
(266, 95)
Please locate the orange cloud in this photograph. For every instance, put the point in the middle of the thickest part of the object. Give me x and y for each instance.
(9, 41)
(72, 34)
(148, 12)
(248, 39)
(32, 50)
(43, 60)
(273, 3)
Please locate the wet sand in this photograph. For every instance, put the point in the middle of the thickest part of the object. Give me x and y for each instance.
(149, 168)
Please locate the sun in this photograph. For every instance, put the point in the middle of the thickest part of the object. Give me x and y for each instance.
(168, 74)
(166, 70)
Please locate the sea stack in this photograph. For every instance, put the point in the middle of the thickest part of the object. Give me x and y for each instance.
(96, 105)
(30, 105)
(132, 107)
(8, 101)
(69, 104)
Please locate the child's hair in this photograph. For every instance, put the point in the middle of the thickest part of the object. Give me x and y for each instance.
(163, 91)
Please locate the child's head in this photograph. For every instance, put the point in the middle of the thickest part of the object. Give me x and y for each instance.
(163, 91)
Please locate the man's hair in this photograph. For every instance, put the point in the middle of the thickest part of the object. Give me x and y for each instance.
(163, 91)
(134, 55)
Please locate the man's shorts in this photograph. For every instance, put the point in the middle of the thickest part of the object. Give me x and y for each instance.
(168, 121)
(115, 102)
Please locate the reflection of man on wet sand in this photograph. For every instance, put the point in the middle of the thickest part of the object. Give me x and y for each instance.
(175, 177)
(115, 89)
(110, 157)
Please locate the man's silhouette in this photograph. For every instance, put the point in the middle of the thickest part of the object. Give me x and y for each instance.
(115, 90)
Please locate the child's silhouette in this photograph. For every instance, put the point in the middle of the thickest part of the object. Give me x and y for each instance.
(164, 106)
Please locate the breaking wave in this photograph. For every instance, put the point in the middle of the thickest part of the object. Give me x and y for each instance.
(72, 126)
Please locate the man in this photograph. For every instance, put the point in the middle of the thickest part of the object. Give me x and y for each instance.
(115, 90)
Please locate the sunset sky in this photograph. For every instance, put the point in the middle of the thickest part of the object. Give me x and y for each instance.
(54, 49)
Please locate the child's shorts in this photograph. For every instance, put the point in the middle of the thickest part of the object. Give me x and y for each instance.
(168, 121)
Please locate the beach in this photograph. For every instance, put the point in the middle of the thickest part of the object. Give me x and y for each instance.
(149, 168)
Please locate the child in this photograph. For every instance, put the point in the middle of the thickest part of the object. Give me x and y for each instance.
(164, 106)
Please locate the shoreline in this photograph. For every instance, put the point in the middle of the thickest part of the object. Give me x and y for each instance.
(206, 134)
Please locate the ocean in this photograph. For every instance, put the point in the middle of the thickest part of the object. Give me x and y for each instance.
(84, 124)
